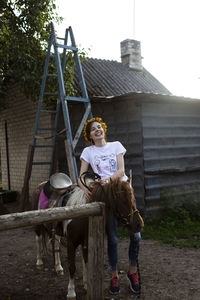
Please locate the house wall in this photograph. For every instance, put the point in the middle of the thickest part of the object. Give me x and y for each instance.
(20, 116)
(162, 139)
(171, 137)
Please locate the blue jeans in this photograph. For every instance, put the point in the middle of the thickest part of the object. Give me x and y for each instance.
(112, 240)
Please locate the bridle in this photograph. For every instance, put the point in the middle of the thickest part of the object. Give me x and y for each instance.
(125, 220)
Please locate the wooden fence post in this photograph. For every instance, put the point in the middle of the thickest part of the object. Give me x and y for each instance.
(95, 272)
(25, 190)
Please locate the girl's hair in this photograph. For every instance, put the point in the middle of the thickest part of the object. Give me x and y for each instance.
(87, 127)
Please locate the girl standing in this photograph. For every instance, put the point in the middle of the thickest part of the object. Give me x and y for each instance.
(107, 160)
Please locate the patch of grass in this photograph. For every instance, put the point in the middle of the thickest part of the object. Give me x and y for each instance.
(176, 233)
(122, 232)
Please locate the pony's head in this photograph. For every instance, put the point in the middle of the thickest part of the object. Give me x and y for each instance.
(119, 198)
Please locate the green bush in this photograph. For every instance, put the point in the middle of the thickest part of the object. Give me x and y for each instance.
(185, 210)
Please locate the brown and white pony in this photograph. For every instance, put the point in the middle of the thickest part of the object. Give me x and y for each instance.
(119, 199)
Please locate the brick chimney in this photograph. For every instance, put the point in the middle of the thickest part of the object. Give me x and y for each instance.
(131, 54)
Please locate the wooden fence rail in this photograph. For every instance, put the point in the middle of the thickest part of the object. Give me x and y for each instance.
(35, 217)
(96, 213)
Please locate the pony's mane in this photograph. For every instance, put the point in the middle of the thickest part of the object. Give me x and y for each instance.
(118, 195)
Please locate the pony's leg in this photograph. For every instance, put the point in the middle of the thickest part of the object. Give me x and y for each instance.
(71, 251)
(58, 266)
(84, 261)
(71, 290)
(84, 275)
(39, 262)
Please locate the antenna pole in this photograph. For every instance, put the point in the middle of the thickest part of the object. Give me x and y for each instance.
(134, 19)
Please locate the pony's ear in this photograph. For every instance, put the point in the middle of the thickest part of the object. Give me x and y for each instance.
(128, 180)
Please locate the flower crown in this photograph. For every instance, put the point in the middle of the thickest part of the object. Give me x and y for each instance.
(99, 120)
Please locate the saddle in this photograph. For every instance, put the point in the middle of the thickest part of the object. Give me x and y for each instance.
(54, 191)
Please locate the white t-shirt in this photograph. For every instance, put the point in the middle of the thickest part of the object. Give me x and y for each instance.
(103, 160)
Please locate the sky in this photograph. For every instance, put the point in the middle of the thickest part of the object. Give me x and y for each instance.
(169, 32)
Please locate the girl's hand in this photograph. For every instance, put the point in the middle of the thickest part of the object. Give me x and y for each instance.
(104, 181)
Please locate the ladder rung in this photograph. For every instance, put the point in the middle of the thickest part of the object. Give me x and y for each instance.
(41, 163)
(43, 146)
(52, 129)
(77, 99)
(52, 75)
(49, 111)
(67, 47)
(59, 38)
(50, 94)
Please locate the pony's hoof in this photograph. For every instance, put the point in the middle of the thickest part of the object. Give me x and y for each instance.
(40, 267)
(71, 298)
(60, 272)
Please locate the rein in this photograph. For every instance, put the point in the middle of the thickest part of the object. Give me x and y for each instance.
(94, 176)
(138, 269)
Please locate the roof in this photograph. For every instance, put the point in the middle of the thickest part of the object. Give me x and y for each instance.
(147, 97)
(112, 78)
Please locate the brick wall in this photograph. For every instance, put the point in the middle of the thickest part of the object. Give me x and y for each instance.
(20, 117)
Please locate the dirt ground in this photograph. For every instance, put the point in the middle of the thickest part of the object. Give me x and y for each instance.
(166, 272)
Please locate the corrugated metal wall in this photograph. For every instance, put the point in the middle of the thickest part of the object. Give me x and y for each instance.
(171, 139)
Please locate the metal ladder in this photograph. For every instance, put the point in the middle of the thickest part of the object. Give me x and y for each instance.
(62, 101)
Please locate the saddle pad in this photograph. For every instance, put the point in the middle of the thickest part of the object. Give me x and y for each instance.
(43, 200)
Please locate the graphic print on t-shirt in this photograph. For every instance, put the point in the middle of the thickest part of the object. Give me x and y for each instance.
(105, 162)
(112, 165)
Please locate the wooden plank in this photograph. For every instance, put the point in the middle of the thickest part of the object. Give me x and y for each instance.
(25, 189)
(174, 170)
(35, 217)
(69, 156)
(95, 274)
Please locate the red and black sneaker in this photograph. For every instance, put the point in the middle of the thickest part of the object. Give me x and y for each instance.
(133, 282)
(114, 286)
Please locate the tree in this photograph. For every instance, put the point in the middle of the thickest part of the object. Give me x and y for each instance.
(24, 33)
